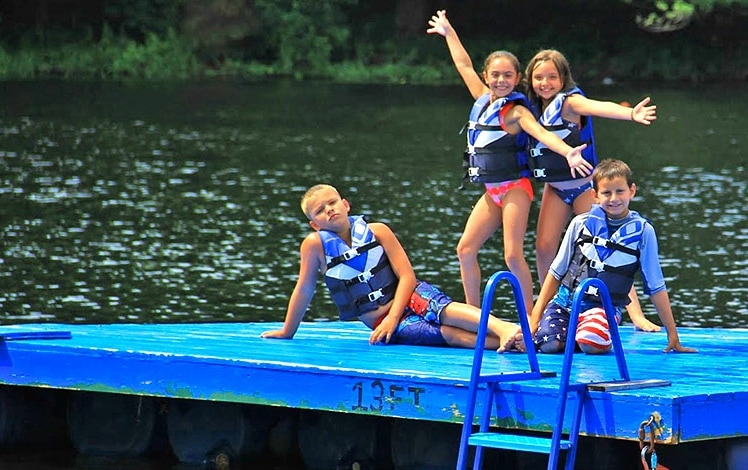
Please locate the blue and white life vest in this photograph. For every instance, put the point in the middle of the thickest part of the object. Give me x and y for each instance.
(548, 165)
(613, 258)
(493, 155)
(359, 276)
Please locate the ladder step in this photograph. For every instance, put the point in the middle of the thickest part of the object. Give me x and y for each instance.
(515, 376)
(627, 385)
(497, 440)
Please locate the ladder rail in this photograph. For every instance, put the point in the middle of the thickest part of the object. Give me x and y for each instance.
(563, 392)
(480, 342)
(571, 454)
(610, 314)
(579, 392)
(484, 423)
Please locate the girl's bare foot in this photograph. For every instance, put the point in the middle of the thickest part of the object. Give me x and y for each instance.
(513, 342)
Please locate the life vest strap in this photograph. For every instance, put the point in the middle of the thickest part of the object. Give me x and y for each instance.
(599, 241)
(352, 253)
(481, 151)
(599, 266)
(376, 295)
(483, 127)
(366, 275)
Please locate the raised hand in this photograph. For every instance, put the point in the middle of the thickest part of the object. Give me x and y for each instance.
(577, 163)
(644, 114)
(439, 23)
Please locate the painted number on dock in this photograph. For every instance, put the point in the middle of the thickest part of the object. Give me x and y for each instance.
(376, 396)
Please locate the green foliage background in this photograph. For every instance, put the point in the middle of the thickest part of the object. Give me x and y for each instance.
(382, 41)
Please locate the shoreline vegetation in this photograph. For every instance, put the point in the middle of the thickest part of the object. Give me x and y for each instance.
(169, 59)
(356, 41)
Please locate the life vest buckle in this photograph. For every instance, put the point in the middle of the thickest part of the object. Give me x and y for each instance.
(536, 152)
(350, 254)
(364, 276)
(599, 241)
(539, 173)
(376, 295)
(473, 171)
(597, 265)
(593, 291)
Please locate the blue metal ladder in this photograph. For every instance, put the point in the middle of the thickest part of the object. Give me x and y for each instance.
(552, 446)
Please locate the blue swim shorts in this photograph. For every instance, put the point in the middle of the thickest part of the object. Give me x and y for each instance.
(420, 324)
(553, 325)
(569, 195)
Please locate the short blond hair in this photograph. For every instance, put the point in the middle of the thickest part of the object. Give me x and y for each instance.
(311, 192)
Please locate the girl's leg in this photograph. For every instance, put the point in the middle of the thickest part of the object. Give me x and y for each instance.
(516, 212)
(484, 220)
(552, 219)
(636, 314)
(583, 202)
(467, 317)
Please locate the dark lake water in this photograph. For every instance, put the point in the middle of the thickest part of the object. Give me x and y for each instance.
(180, 203)
(142, 203)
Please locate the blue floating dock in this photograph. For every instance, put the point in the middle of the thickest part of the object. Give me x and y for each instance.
(332, 367)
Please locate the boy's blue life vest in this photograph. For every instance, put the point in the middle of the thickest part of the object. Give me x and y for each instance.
(548, 165)
(359, 276)
(613, 258)
(493, 155)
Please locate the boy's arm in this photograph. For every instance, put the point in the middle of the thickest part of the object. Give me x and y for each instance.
(521, 116)
(405, 285)
(661, 301)
(312, 255)
(641, 113)
(654, 286)
(464, 65)
(559, 267)
(547, 292)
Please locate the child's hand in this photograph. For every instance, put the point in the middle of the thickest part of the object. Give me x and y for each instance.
(439, 23)
(644, 114)
(384, 331)
(577, 163)
(275, 334)
(676, 346)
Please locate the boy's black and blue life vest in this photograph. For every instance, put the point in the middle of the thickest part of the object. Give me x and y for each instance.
(359, 276)
(612, 258)
(548, 165)
(493, 155)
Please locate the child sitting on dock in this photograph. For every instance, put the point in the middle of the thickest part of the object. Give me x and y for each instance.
(370, 277)
(609, 242)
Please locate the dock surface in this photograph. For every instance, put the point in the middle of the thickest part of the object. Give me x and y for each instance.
(330, 366)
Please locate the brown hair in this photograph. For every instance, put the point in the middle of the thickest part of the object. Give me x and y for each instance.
(562, 65)
(502, 55)
(609, 169)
